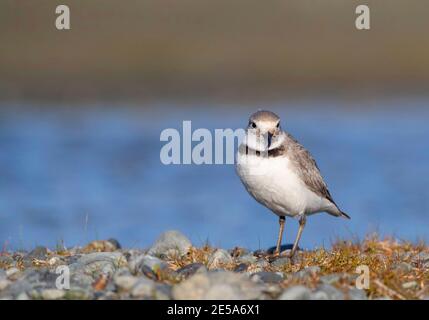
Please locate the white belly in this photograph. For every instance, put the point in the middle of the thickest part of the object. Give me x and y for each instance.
(273, 183)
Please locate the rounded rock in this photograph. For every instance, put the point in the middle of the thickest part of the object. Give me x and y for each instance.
(170, 244)
(211, 284)
(296, 293)
(218, 259)
(53, 294)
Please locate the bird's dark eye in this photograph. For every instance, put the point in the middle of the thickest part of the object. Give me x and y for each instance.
(253, 125)
(278, 125)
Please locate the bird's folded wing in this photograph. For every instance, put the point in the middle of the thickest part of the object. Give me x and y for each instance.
(307, 169)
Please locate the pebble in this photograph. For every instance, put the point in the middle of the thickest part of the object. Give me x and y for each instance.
(247, 258)
(39, 253)
(410, 285)
(242, 267)
(102, 246)
(296, 293)
(125, 282)
(6, 260)
(78, 294)
(170, 244)
(258, 266)
(308, 271)
(327, 292)
(191, 269)
(404, 266)
(267, 277)
(152, 267)
(356, 294)
(53, 294)
(144, 288)
(217, 285)
(137, 263)
(281, 262)
(23, 296)
(331, 278)
(99, 263)
(4, 283)
(219, 258)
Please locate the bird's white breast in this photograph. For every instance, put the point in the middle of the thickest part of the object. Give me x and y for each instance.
(275, 183)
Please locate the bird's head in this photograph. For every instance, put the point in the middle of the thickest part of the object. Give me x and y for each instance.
(264, 131)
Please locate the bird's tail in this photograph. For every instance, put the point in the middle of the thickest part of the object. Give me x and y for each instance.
(345, 215)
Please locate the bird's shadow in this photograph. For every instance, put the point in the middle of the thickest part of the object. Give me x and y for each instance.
(283, 247)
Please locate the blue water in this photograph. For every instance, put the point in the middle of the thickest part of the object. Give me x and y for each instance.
(81, 173)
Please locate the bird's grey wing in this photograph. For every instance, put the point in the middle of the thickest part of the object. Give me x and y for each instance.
(307, 169)
(309, 172)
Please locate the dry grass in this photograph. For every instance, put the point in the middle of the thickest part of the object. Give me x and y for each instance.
(383, 258)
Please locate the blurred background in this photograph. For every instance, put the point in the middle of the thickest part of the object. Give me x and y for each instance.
(81, 112)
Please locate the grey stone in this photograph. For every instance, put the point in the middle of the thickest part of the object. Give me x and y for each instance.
(320, 295)
(242, 267)
(23, 296)
(18, 287)
(78, 294)
(422, 257)
(247, 258)
(52, 294)
(268, 277)
(39, 253)
(296, 293)
(170, 244)
(327, 292)
(421, 260)
(6, 261)
(217, 285)
(331, 278)
(4, 283)
(281, 262)
(238, 252)
(308, 271)
(98, 263)
(382, 298)
(219, 258)
(162, 291)
(191, 269)
(42, 277)
(356, 294)
(115, 243)
(144, 288)
(81, 280)
(125, 282)
(258, 266)
(151, 267)
(137, 263)
(273, 290)
(31, 280)
(403, 266)
(410, 285)
(123, 271)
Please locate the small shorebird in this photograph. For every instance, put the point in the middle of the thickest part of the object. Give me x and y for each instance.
(281, 174)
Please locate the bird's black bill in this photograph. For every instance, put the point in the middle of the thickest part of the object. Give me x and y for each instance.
(270, 137)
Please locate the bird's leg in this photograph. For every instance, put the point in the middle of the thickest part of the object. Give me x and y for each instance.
(279, 239)
(302, 221)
